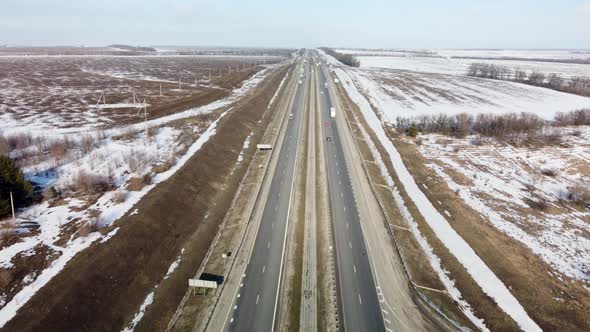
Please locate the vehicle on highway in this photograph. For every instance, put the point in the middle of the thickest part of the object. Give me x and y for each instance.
(332, 112)
(291, 116)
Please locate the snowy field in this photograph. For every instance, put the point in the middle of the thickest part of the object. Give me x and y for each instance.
(407, 93)
(456, 62)
(459, 66)
(498, 180)
(477, 53)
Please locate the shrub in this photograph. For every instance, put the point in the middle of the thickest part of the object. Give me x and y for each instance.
(120, 196)
(538, 203)
(20, 141)
(137, 183)
(460, 125)
(13, 180)
(579, 195)
(59, 148)
(551, 172)
(4, 146)
(412, 131)
(579, 117)
(91, 183)
(51, 192)
(88, 227)
(87, 143)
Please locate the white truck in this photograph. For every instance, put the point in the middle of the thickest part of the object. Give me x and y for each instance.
(264, 147)
(332, 112)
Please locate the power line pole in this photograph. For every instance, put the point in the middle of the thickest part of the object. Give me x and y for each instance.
(12, 205)
(160, 89)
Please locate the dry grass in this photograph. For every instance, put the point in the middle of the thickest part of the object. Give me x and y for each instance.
(137, 183)
(87, 144)
(136, 159)
(89, 183)
(88, 227)
(120, 196)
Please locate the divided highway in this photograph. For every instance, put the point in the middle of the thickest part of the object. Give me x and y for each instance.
(358, 301)
(255, 305)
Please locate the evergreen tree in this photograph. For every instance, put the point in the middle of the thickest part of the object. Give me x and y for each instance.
(13, 179)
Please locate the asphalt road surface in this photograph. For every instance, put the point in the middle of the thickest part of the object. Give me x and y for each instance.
(359, 304)
(255, 304)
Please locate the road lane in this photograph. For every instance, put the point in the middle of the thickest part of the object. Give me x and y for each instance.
(255, 303)
(360, 309)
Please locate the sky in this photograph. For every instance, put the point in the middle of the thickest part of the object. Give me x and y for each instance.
(546, 24)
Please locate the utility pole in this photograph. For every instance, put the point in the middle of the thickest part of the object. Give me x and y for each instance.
(12, 205)
(179, 86)
(145, 117)
(160, 89)
(209, 75)
(219, 72)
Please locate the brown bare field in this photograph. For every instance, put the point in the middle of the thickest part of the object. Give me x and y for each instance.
(103, 286)
(63, 92)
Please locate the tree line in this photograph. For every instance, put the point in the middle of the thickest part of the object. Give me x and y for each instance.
(577, 85)
(347, 59)
(500, 126)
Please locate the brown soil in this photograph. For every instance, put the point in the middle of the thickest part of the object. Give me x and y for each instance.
(103, 286)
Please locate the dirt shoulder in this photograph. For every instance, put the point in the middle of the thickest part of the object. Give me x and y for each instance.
(102, 287)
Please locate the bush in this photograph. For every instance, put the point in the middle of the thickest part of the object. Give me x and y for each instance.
(461, 125)
(91, 183)
(539, 203)
(136, 184)
(551, 172)
(51, 192)
(579, 195)
(87, 143)
(13, 179)
(4, 147)
(412, 131)
(59, 148)
(120, 196)
(88, 227)
(579, 117)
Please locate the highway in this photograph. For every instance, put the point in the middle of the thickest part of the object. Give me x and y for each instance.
(255, 304)
(358, 301)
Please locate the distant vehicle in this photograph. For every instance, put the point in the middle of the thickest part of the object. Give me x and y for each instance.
(291, 116)
(326, 85)
(264, 147)
(300, 81)
(328, 138)
(336, 81)
(332, 112)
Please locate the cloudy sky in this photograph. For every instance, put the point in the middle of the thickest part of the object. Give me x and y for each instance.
(303, 23)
